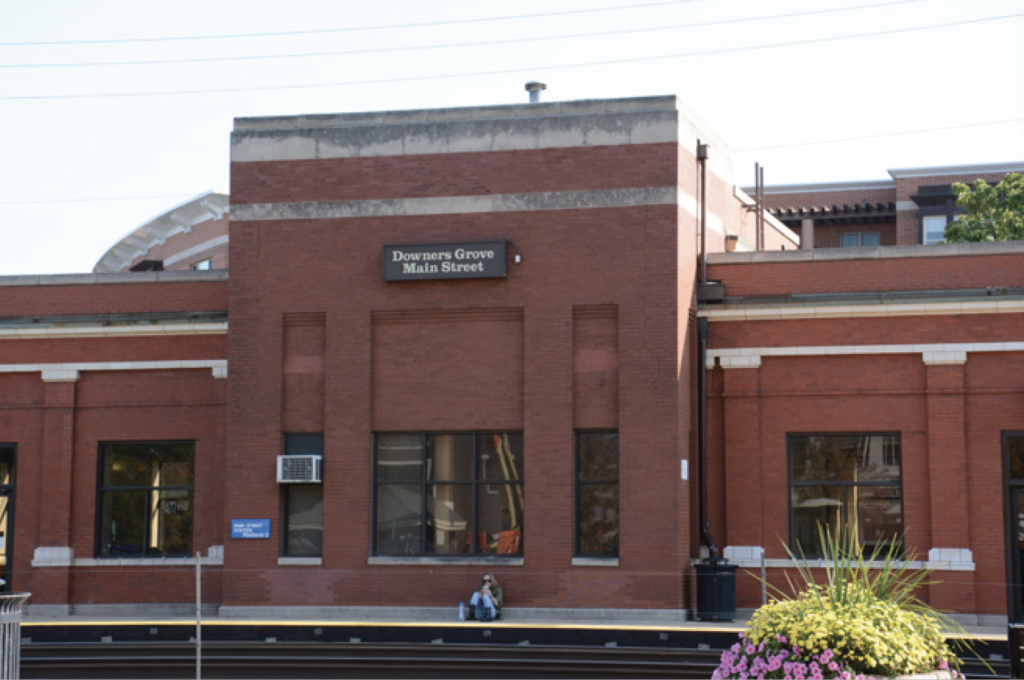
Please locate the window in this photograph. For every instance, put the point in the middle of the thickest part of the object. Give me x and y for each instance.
(934, 229)
(1013, 473)
(448, 494)
(202, 265)
(303, 503)
(146, 499)
(6, 512)
(597, 494)
(857, 239)
(842, 481)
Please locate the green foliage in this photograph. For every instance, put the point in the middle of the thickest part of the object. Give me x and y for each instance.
(994, 213)
(868, 635)
(866, 610)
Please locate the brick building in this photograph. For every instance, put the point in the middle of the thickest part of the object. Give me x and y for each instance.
(471, 335)
(912, 208)
(879, 385)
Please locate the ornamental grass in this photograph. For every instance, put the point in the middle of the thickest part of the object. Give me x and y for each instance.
(863, 621)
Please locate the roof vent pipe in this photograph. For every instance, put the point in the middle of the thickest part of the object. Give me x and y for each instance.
(535, 88)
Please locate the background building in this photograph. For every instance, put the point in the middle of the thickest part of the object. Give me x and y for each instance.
(913, 208)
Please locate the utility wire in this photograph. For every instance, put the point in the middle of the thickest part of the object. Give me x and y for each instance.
(488, 43)
(901, 133)
(421, 78)
(93, 200)
(451, 22)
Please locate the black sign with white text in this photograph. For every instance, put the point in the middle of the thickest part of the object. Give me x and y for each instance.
(421, 262)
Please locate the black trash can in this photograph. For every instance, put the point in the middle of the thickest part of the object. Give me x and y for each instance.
(716, 590)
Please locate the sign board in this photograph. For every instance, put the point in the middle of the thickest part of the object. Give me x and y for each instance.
(250, 528)
(426, 261)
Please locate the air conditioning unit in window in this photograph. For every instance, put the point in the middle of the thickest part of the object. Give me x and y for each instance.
(300, 469)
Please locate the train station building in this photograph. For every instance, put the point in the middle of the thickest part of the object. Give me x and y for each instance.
(416, 346)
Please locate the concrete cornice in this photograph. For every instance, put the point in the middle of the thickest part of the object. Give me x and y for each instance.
(461, 114)
(825, 187)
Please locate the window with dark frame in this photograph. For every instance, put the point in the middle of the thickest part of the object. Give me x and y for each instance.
(844, 482)
(7, 455)
(448, 494)
(859, 239)
(303, 504)
(1013, 476)
(597, 494)
(146, 494)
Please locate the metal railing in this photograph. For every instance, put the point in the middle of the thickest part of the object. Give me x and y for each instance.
(10, 635)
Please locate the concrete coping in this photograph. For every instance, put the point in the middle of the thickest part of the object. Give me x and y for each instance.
(184, 276)
(461, 114)
(877, 253)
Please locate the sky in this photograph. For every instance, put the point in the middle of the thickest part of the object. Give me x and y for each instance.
(114, 111)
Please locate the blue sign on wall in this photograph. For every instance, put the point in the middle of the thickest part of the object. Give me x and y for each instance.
(250, 528)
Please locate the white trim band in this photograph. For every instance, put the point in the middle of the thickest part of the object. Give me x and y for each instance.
(68, 372)
(100, 331)
(873, 309)
(751, 357)
(456, 205)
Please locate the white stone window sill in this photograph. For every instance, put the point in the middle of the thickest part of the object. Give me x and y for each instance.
(441, 561)
(939, 559)
(300, 561)
(60, 556)
(595, 561)
(130, 562)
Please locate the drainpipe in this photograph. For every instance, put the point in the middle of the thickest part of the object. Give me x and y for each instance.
(702, 362)
(702, 433)
(716, 578)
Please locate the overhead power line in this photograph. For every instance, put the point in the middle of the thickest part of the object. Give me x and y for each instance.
(486, 43)
(919, 131)
(46, 201)
(353, 29)
(521, 69)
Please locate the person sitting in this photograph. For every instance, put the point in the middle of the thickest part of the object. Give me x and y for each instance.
(485, 605)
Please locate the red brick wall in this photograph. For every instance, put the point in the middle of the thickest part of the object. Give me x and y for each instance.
(831, 236)
(837, 197)
(465, 174)
(112, 298)
(884, 274)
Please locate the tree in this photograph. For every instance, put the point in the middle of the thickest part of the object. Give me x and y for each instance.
(994, 213)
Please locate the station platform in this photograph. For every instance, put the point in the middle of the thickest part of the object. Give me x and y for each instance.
(559, 623)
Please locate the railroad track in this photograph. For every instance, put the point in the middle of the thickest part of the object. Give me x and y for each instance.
(358, 660)
(302, 660)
